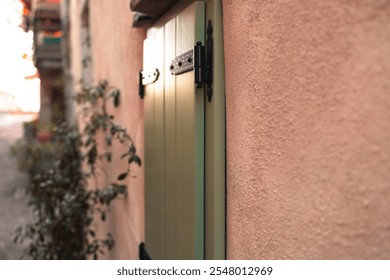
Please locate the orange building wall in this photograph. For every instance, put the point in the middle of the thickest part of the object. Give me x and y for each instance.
(117, 57)
(308, 129)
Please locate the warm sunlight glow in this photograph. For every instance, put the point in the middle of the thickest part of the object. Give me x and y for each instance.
(17, 72)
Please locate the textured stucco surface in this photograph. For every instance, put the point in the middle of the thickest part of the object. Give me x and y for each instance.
(116, 50)
(308, 129)
(117, 57)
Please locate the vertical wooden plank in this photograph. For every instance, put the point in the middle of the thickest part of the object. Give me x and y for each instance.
(215, 144)
(170, 142)
(159, 134)
(149, 136)
(185, 135)
(189, 141)
(199, 143)
(154, 148)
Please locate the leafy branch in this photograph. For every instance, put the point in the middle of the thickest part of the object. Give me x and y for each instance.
(64, 201)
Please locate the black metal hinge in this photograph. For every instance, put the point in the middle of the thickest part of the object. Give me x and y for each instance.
(209, 60)
(200, 59)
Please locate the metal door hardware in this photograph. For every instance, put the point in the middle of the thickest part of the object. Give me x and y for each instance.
(149, 76)
(199, 64)
(143, 254)
(146, 77)
(209, 61)
(141, 89)
(200, 59)
(182, 63)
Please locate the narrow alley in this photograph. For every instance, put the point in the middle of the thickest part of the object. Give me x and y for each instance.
(13, 201)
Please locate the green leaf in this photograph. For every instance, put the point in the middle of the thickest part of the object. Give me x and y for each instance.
(132, 149)
(122, 176)
(109, 140)
(103, 83)
(136, 159)
(116, 95)
(112, 130)
(100, 91)
(92, 155)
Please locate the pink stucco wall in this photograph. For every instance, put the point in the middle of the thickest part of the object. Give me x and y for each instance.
(116, 50)
(117, 57)
(308, 129)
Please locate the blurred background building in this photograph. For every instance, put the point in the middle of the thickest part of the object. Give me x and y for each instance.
(43, 18)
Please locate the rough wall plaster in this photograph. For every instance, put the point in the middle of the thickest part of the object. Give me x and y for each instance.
(308, 129)
(117, 57)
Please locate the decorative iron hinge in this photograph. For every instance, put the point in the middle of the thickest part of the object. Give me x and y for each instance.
(200, 59)
(209, 61)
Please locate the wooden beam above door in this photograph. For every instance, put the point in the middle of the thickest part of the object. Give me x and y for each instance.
(152, 8)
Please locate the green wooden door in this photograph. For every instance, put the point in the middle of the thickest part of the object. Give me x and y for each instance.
(174, 141)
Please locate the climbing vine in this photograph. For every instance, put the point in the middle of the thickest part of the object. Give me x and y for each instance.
(67, 197)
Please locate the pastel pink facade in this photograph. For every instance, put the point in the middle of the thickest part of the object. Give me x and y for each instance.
(308, 129)
(118, 46)
(116, 51)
